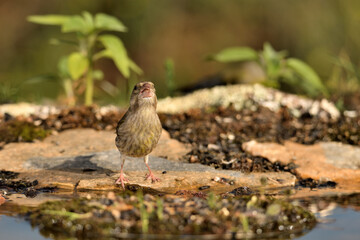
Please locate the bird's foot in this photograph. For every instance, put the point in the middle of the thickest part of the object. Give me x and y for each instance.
(152, 177)
(121, 180)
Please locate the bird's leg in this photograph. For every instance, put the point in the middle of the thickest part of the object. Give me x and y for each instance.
(150, 174)
(122, 179)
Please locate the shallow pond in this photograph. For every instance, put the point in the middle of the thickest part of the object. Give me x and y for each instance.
(341, 223)
(13, 228)
(335, 221)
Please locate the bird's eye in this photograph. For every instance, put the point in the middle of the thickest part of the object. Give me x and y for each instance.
(136, 87)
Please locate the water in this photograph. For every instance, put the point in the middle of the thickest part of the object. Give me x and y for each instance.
(337, 223)
(12, 228)
(343, 223)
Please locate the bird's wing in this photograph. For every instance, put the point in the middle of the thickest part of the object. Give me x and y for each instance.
(122, 120)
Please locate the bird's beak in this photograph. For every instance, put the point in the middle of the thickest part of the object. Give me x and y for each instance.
(145, 91)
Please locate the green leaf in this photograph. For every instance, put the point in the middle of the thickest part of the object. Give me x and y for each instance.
(272, 61)
(107, 22)
(134, 67)
(98, 75)
(88, 18)
(76, 24)
(77, 65)
(114, 49)
(42, 79)
(63, 67)
(310, 80)
(104, 53)
(269, 52)
(56, 41)
(48, 19)
(235, 54)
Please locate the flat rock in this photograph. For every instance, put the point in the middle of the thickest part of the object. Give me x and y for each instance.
(98, 171)
(323, 161)
(77, 142)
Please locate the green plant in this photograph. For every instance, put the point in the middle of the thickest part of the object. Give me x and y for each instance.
(279, 70)
(144, 215)
(77, 69)
(160, 209)
(345, 77)
(170, 72)
(8, 92)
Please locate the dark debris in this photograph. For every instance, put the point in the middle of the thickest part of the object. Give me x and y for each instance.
(9, 183)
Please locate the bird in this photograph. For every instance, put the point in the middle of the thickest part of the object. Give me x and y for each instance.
(139, 130)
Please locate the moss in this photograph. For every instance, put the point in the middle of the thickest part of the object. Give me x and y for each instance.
(21, 131)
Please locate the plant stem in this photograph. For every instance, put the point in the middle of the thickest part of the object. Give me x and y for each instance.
(89, 87)
(89, 92)
(69, 91)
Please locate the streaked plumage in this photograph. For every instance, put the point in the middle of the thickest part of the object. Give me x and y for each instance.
(139, 130)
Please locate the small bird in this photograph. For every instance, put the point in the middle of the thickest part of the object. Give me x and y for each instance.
(139, 130)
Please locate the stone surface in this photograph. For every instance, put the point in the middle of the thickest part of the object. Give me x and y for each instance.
(247, 96)
(77, 142)
(98, 171)
(342, 155)
(170, 148)
(88, 159)
(323, 161)
(2, 200)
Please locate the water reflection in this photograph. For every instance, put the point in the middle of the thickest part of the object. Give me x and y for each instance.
(12, 228)
(338, 218)
(342, 223)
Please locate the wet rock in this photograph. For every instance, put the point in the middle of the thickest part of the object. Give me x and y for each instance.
(326, 161)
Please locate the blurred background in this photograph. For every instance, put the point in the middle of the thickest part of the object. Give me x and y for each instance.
(321, 33)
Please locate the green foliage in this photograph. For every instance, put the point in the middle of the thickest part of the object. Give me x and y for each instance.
(144, 215)
(77, 64)
(77, 69)
(306, 77)
(345, 77)
(114, 48)
(8, 90)
(234, 54)
(110, 23)
(48, 19)
(280, 71)
(170, 73)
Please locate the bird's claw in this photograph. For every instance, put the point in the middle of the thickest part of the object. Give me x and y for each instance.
(152, 177)
(121, 181)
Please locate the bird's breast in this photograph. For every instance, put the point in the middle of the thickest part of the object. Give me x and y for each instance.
(139, 134)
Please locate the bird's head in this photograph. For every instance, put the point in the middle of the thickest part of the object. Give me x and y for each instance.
(143, 94)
